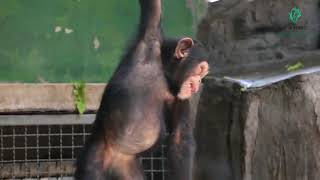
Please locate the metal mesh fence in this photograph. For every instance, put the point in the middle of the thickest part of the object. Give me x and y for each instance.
(49, 152)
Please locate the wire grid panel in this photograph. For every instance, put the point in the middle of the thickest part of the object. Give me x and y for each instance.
(49, 151)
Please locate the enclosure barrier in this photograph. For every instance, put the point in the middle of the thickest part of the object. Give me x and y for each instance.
(44, 144)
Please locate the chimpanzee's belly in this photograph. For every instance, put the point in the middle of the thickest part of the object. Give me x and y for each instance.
(140, 117)
(139, 136)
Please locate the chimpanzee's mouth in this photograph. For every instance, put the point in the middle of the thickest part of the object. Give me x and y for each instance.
(193, 88)
(194, 85)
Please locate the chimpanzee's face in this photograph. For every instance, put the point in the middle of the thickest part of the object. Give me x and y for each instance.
(187, 67)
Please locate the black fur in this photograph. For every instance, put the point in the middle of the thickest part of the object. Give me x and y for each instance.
(135, 105)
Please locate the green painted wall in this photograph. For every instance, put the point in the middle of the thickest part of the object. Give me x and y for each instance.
(71, 40)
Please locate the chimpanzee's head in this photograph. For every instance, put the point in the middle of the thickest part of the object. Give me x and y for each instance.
(185, 63)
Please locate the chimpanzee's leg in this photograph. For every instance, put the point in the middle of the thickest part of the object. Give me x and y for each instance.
(102, 162)
(89, 164)
(181, 142)
(125, 169)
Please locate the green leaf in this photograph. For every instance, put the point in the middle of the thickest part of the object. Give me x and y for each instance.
(295, 67)
(79, 96)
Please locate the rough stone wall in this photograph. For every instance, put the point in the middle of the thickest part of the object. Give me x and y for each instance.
(271, 133)
(241, 33)
(281, 134)
(267, 134)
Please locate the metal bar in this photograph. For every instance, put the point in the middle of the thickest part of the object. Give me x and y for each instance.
(258, 82)
(66, 119)
(265, 74)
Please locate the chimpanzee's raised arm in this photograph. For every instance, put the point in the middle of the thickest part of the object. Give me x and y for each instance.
(150, 17)
(149, 37)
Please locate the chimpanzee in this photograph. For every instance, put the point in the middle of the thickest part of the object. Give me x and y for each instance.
(152, 83)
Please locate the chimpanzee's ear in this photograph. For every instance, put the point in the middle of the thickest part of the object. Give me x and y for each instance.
(183, 48)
